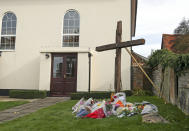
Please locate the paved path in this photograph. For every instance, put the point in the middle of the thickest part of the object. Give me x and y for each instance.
(7, 98)
(28, 108)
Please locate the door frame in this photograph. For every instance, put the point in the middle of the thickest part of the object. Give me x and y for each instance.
(62, 54)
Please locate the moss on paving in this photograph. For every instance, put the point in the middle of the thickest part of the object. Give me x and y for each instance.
(59, 117)
(10, 104)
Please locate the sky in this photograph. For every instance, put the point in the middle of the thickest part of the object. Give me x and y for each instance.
(157, 17)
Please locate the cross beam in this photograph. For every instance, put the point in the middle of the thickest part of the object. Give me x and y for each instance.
(120, 45)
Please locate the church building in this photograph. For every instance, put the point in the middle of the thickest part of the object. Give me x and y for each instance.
(50, 44)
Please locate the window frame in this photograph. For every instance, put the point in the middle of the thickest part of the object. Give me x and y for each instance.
(9, 35)
(69, 34)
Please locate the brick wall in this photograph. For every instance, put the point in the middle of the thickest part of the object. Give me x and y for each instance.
(139, 80)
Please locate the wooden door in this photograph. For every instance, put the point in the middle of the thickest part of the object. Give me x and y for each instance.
(63, 74)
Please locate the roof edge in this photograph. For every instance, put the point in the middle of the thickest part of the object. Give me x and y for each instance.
(134, 5)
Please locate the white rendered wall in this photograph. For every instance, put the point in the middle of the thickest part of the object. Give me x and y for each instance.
(82, 72)
(45, 72)
(39, 26)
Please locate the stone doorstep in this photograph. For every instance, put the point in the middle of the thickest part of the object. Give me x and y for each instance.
(153, 118)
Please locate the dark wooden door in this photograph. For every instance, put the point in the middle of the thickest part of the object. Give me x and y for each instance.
(63, 74)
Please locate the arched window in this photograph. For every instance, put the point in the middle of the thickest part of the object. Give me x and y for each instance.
(71, 29)
(8, 31)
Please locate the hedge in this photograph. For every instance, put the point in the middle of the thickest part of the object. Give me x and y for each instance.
(166, 58)
(95, 95)
(27, 94)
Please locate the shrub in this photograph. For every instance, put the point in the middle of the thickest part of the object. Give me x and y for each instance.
(165, 58)
(141, 92)
(27, 94)
(95, 95)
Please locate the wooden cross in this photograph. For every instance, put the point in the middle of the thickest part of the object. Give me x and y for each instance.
(118, 45)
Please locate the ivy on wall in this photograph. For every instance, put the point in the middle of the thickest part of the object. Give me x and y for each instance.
(165, 58)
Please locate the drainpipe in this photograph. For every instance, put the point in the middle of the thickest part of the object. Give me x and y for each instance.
(89, 55)
(131, 71)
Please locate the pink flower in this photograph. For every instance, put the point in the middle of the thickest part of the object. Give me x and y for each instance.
(130, 108)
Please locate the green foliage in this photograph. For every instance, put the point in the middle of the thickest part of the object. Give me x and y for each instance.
(165, 58)
(6, 105)
(141, 92)
(95, 95)
(59, 117)
(27, 94)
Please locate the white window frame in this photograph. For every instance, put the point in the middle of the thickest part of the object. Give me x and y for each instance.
(73, 34)
(11, 35)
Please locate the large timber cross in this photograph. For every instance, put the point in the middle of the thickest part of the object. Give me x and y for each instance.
(118, 45)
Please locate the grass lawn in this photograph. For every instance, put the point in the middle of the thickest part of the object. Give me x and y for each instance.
(59, 118)
(10, 104)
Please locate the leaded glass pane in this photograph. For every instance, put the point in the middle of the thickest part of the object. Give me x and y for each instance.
(70, 66)
(4, 25)
(13, 30)
(71, 22)
(7, 42)
(66, 22)
(66, 44)
(5, 18)
(77, 23)
(76, 39)
(13, 17)
(66, 16)
(8, 23)
(9, 15)
(57, 67)
(14, 24)
(3, 31)
(76, 44)
(9, 31)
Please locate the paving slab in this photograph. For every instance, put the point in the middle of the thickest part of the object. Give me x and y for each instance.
(153, 118)
(25, 109)
(7, 98)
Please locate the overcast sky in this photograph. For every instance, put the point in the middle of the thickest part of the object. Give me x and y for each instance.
(157, 17)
